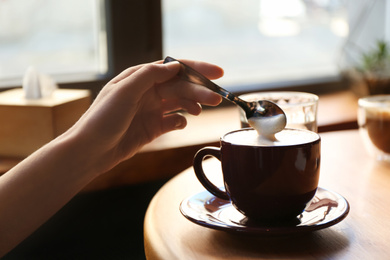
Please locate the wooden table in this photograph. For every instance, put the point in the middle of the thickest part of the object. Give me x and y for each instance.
(345, 168)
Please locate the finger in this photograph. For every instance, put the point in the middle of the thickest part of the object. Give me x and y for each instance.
(173, 122)
(135, 82)
(179, 89)
(148, 76)
(126, 73)
(190, 106)
(209, 70)
(128, 92)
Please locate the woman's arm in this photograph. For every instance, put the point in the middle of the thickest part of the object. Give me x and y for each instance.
(132, 109)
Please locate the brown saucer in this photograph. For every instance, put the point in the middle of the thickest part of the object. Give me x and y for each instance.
(326, 209)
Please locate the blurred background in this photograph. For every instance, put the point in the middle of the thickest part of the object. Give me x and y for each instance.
(310, 45)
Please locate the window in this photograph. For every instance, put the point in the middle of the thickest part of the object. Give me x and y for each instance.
(66, 39)
(259, 43)
(369, 23)
(90, 40)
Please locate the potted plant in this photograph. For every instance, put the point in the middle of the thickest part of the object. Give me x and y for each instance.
(375, 69)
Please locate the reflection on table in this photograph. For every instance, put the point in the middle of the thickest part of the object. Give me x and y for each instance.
(346, 169)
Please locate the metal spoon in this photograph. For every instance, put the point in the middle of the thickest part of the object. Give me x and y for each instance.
(254, 110)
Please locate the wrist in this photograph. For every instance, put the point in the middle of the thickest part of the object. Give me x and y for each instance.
(72, 156)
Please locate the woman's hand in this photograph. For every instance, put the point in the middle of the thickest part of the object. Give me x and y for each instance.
(139, 105)
(131, 110)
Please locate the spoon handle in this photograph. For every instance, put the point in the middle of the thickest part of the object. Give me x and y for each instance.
(189, 74)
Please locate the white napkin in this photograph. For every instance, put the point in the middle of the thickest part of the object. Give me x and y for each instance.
(37, 85)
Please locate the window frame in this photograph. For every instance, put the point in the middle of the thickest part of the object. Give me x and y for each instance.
(134, 36)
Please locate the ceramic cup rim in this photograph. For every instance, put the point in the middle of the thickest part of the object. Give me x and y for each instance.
(317, 139)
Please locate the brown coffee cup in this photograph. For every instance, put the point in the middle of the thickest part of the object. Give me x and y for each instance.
(265, 180)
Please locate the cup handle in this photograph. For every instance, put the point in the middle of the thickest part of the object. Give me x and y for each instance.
(198, 168)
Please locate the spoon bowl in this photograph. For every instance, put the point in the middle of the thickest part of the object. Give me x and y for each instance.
(256, 111)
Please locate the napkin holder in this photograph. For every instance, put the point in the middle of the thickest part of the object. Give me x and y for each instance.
(27, 124)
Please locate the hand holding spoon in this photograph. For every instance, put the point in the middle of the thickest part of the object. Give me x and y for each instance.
(265, 116)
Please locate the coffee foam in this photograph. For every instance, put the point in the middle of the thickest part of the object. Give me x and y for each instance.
(378, 113)
(284, 138)
(376, 106)
(268, 126)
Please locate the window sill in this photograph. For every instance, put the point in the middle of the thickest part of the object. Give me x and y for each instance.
(173, 152)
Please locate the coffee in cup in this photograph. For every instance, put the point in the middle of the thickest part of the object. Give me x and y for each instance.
(265, 180)
(374, 124)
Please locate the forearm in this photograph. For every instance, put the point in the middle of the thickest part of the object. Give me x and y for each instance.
(39, 186)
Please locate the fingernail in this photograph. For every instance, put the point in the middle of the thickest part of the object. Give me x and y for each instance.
(172, 63)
